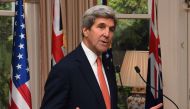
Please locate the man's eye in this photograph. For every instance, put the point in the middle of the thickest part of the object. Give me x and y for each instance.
(101, 26)
(112, 29)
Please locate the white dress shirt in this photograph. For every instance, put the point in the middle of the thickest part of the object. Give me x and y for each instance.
(91, 56)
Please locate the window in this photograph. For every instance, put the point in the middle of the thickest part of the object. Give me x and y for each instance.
(132, 34)
(6, 30)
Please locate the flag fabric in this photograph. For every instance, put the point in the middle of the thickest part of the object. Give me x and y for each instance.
(107, 59)
(57, 34)
(154, 76)
(20, 96)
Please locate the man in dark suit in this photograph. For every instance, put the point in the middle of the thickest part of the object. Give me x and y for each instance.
(74, 82)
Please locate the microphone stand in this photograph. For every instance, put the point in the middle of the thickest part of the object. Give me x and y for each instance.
(124, 96)
(138, 71)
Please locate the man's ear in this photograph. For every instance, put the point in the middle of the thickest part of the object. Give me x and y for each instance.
(85, 32)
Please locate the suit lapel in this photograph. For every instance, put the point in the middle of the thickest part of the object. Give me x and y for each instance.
(107, 71)
(89, 76)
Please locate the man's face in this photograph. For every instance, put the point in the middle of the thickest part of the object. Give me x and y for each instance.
(99, 37)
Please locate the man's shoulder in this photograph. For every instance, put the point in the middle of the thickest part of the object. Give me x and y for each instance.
(73, 56)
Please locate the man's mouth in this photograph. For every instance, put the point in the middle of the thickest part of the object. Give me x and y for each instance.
(106, 42)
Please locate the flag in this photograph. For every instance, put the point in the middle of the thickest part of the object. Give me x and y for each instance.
(20, 96)
(154, 76)
(57, 34)
(107, 59)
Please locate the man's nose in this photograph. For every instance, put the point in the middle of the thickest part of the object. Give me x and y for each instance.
(106, 32)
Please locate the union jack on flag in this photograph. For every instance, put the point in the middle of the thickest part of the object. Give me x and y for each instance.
(20, 96)
(57, 34)
(154, 76)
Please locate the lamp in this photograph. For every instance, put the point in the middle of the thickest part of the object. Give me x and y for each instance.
(128, 75)
(132, 90)
(130, 78)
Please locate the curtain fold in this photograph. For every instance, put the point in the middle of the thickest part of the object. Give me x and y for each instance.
(32, 29)
(44, 60)
(72, 11)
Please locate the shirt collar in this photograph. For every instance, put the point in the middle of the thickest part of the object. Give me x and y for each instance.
(89, 53)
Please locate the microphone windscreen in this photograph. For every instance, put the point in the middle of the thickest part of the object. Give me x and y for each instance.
(137, 69)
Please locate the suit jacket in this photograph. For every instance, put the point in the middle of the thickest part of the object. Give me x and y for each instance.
(72, 83)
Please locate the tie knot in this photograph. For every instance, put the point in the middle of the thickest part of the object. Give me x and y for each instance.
(98, 60)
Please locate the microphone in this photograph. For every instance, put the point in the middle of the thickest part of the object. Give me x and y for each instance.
(137, 69)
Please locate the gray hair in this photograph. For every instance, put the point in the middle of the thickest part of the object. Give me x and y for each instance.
(98, 11)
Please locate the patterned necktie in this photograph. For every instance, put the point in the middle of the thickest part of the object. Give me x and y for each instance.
(103, 85)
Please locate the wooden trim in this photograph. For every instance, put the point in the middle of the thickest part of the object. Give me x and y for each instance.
(4, 1)
(7, 13)
(32, 1)
(133, 16)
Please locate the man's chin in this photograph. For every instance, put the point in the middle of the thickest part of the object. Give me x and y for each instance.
(104, 50)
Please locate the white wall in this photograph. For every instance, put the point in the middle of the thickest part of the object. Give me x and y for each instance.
(172, 19)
